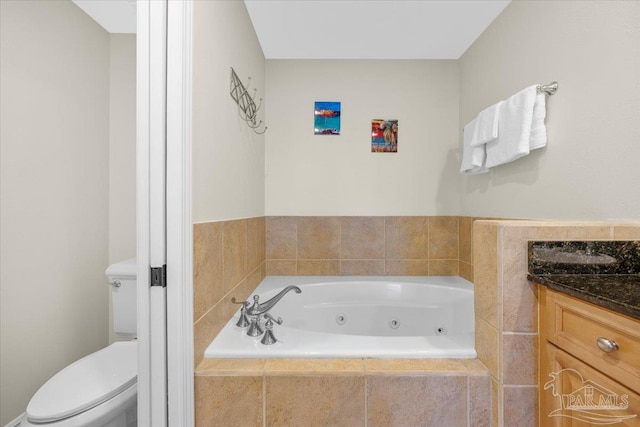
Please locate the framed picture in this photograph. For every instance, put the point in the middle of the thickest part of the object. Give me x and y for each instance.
(326, 120)
(384, 136)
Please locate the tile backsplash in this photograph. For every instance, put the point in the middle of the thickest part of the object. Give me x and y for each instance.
(367, 245)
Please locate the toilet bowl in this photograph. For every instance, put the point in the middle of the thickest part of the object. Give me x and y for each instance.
(99, 390)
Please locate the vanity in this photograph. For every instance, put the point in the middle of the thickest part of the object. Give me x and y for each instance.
(589, 332)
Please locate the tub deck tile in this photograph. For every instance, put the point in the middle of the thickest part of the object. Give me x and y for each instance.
(231, 367)
(415, 367)
(320, 366)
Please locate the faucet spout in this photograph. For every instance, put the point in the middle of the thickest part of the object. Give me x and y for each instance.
(260, 308)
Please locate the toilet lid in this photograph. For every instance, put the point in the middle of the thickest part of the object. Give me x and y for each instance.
(86, 383)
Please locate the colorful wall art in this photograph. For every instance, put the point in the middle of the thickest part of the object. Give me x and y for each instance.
(326, 119)
(384, 136)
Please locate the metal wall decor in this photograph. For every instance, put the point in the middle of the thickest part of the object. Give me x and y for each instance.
(246, 105)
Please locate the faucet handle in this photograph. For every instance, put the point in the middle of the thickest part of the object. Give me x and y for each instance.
(243, 322)
(235, 301)
(270, 317)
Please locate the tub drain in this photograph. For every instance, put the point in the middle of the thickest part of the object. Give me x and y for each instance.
(341, 319)
(441, 330)
(394, 323)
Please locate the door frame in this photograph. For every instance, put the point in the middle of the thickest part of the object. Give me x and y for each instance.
(176, 375)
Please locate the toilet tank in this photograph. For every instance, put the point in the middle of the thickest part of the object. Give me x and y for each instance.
(122, 277)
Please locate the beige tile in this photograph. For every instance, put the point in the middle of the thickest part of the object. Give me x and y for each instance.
(279, 267)
(520, 353)
(479, 401)
(207, 267)
(318, 267)
(414, 366)
(466, 271)
(281, 237)
(407, 267)
(228, 400)
(520, 406)
(318, 237)
(362, 237)
(496, 404)
(487, 346)
(443, 267)
(485, 272)
(329, 366)
(362, 267)
(416, 401)
(209, 325)
(406, 237)
(465, 238)
(626, 232)
(315, 401)
(474, 366)
(235, 252)
(252, 281)
(443, 237)
(519, 300)
(255, 242)
(222, 367)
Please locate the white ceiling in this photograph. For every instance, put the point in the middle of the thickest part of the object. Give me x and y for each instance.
(371, 29)
(344, 29)
(115, 16)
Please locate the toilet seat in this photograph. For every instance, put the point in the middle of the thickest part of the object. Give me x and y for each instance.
(86, 383)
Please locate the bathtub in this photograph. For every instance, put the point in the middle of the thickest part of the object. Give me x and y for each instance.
(382, 317)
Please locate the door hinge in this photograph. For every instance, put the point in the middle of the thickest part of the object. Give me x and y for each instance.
(159, 276)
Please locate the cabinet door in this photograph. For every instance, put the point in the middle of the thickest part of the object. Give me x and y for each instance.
(572, 394)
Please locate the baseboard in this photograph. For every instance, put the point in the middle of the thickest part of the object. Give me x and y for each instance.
(16, 422)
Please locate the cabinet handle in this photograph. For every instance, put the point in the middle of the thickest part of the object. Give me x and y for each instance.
(607, 345)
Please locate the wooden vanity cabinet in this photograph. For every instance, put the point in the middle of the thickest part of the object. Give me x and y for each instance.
(581, 384)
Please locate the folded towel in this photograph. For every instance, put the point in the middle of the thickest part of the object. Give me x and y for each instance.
(538, 137)
(514, 128)
(473, 158)
(487, 125)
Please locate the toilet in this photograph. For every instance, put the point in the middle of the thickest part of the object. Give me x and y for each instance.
(100, 389)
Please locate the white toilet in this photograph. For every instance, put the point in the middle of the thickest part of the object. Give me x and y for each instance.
(101, 388)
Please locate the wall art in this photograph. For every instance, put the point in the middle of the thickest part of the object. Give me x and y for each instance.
(326, 119)
(384, 136)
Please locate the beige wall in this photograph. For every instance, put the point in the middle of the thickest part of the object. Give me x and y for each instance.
(122, 147)
(54, 80)
(589, 169)
(122, 152)
(228, 157)
(311, 174)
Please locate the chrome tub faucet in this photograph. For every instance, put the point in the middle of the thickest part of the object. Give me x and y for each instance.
(250, 315)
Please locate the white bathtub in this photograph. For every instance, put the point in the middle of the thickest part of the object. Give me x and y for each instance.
(398, 317)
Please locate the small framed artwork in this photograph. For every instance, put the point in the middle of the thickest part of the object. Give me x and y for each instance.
(384, 136)
(326, 120)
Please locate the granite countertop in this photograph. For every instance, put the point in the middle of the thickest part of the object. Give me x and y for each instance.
(605, 273)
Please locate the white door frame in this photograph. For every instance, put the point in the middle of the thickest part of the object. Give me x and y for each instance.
(165, 366)
(179, 222)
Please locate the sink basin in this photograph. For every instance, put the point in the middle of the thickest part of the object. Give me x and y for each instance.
(558, 256)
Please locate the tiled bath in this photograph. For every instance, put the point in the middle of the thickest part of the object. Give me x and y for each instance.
(344, 391)
(380, 392)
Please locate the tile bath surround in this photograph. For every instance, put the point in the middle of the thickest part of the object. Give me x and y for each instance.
(509, 352)
(232, 257)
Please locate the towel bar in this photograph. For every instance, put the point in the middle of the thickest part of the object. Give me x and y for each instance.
(549, 89)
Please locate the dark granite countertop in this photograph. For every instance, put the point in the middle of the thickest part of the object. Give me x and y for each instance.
(603, 273)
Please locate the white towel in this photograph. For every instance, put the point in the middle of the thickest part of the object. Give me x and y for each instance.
(538, 137)
(487, 125)
(473, 158)
(514, 128)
